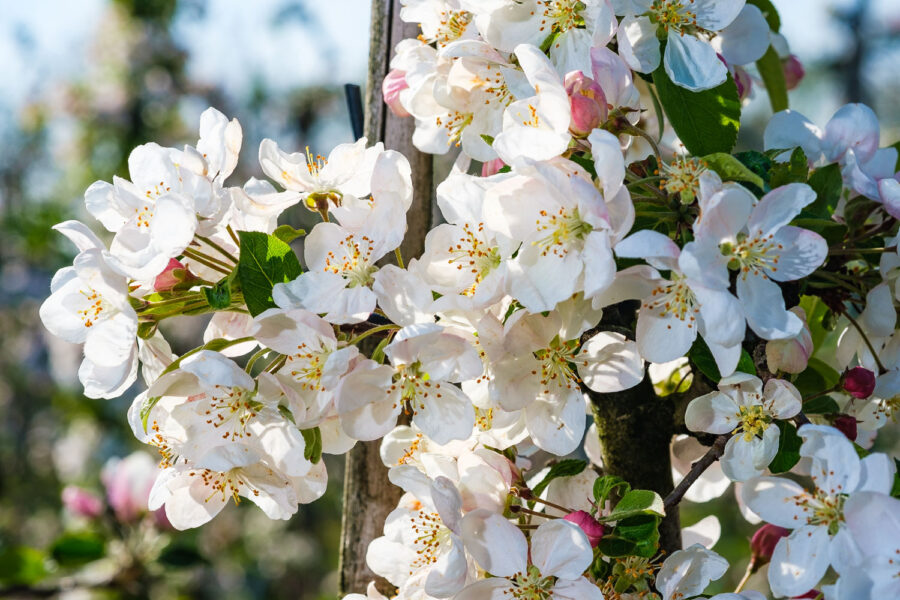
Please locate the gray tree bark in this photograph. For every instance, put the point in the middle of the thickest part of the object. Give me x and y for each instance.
(368, 495)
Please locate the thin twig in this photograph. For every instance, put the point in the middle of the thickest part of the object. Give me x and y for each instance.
(218, 248)
(712, 455)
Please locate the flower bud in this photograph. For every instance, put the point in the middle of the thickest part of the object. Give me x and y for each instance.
(588, 103)
(588, 524)
(81, 502)
(394, 83)
(763, 542)
(492, 167)
(859, 382)
(810, 594)
(791, 355)
(172, 275)
(793, 71)
(846, 424)
(743, 82)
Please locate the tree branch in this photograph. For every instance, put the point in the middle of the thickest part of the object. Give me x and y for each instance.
(697, 469)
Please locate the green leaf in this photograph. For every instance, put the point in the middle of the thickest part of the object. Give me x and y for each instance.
(828, 184)
(818, 315)
(615, 546)
(585, 162)
(745, 363)
(604, 487)
(730, 168)
(181, 555)
(288, 234)
(22, 566)
(378, 352)
(75, 549)
(823, 405)
(564, 468)
(265, 261)
(313, 439)
(643, 530)
(707, 121)
(703, 359)
(219, 295)
(636, 502)
(769, 12)
(895, 491)
(772, 73)
(757, 162)
(788, 448)
(795, 170)
(817, 378)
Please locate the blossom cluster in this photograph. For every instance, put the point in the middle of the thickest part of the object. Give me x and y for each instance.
(747, 283)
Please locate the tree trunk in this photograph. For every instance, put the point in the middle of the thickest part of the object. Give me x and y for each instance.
(368, 495)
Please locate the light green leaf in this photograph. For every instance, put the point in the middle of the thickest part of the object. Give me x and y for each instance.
(313, 450)
(731, 169)
(772, 73)
(265, 261)
(788, 448)
(564, 468)
(636, 502)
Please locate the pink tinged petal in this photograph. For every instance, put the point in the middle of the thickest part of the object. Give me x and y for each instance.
(775, 499)
(802, 252)
(445, 414)
(853, 127)
(638, 45)
(873, 520)
(779, 207)
(889, 190)
(713, 413)
(561, 549)
(835, 465)
(578, 589)
(782, 399)
(663, 337)
(789, 129)
(693, 64)
(876, 474)
(746, 39)
(764, 307)
(799, 561)
(610, 363)
(498, 546)
(556, 425)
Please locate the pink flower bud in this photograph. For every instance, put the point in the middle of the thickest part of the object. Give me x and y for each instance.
(791, 355)
(492, 167)
(81, 502)
(793, 71)
(846, 424)
(743, 82)
(394, 83)
(128, 482)
(588, 524)
(588, 102)
(763, 542)
(809, 594)
(859, 382)
(174, 273)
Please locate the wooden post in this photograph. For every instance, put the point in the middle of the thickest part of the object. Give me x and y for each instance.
(368, 495)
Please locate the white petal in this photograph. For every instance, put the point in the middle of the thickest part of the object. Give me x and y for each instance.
(775, 500)
(714, 413)
(498, 546)
(746, 39)
(638, 45)
(693, 64)
(610, 363)
(560, 548)
(799, 561)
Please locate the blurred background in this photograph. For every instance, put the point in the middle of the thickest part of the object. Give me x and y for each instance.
(81, 83)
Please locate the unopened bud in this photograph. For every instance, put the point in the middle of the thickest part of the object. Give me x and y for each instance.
(81, 502)
(743, 82)
(859, 382)
(846, 424)
(172, 275)
(793, 71)
(588, 103)
(588, 524)
(492, 167)
(763, 543)
(810, 594)
(394, 83)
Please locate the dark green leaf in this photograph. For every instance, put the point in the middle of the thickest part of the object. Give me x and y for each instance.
(817, 378)
(823, 405)
(828, 185)
(895, 491)
(745, 363)
(772, 73)
(264, 261)
(636, 502)
(21, 566)
(313, 439)
(564, 468)
(788, 448)
(769, 12)
(615, 546)
(702, 358)
(707, 121)
(757, 162)
(606, 485)
(288, 234)
(795, 170)
(586, 162)
(219, 295)
(643, 530)
(147, 329)
(180, 555)
(75, 549)
(730, 168)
